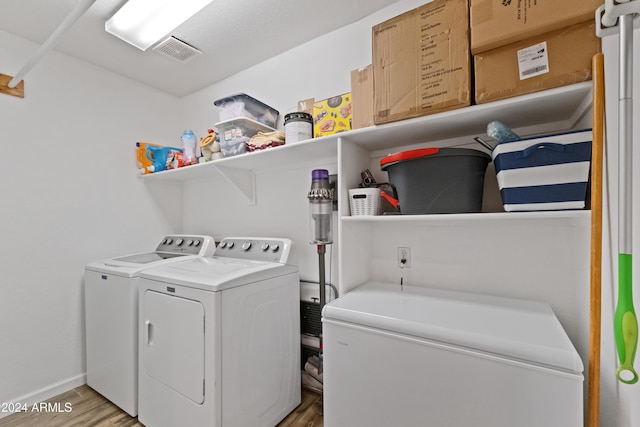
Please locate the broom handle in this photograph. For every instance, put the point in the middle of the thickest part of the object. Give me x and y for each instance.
(593, 398)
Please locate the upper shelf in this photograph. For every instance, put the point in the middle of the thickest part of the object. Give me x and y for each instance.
(564, 107)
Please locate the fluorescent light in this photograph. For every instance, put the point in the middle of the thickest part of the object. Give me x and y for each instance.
(143, 22)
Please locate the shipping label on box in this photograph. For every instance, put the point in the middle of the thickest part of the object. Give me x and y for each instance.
(496, 23)
(554, 59)
(332, 115)
(421, 61)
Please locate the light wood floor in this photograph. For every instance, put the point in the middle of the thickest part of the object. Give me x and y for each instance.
(89, 408)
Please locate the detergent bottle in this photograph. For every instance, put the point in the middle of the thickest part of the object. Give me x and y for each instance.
(158, 157)
(189, 143)
(141, 156)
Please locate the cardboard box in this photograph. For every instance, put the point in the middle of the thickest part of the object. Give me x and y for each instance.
(332, 115)
(421, 61)
(496, 23)
(362, 93)
(550, 60)
(306, 105)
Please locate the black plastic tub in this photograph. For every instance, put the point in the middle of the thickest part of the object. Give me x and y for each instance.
(437, 180)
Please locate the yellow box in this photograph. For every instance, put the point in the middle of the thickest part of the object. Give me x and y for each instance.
(332, 115)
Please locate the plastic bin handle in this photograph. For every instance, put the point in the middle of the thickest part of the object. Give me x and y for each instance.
(559, 148)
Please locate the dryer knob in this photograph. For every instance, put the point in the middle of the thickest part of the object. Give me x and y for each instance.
(190, 243)
(168, 241)
(179, 242)
(222, 245)
(275, 247)
(230, 245)
(196, 243)
(265, 247)
(246, 246)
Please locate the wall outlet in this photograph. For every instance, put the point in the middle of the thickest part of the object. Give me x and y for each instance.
(404, 257)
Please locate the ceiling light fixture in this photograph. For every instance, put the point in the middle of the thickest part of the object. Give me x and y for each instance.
(142, 23)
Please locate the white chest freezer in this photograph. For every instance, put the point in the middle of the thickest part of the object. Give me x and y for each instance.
(427, 357)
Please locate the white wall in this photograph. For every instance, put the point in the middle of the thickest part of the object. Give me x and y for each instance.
(70, 195)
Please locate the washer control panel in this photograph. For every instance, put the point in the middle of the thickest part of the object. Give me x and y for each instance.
(187, 244)
(255, 248)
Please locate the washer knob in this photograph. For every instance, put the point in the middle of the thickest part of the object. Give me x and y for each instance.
(265, 247)
(230, 245)
(179, 242)
(222, 245)
(196, 242)
(275, 247)
(169, 241)
(246, 246)
(190, 243)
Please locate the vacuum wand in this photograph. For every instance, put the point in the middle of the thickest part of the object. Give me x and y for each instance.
(322, 279)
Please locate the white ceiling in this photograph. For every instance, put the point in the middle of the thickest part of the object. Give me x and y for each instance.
(232, 34)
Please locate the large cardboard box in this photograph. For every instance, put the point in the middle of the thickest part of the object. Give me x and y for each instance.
(550, 60)
(497, 23)
(362, 97)
(421, 61)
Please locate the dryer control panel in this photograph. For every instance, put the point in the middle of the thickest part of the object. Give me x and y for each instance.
(187, 244)
(255, 248)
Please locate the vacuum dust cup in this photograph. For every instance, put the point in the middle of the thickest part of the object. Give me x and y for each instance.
(320, 207)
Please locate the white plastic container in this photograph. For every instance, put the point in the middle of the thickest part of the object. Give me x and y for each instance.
(298, 126)
(365, 201)
(243, 105)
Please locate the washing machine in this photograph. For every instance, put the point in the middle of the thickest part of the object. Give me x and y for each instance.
(415, 356)
(220, 337)
(111, 315)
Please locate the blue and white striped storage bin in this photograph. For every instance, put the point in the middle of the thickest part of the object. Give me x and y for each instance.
(548, 172)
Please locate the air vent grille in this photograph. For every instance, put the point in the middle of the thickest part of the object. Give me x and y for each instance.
(177, 49)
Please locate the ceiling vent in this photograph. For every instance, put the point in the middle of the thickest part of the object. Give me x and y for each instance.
(176, 49)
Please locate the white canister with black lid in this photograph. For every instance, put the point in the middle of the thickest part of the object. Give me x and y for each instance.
(298, 126)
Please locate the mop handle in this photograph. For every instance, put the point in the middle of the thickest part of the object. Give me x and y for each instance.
(625, 322)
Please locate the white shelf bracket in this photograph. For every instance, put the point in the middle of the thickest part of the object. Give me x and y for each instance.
(242, 179)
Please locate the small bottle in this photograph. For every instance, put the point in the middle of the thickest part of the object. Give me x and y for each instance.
(189, 143)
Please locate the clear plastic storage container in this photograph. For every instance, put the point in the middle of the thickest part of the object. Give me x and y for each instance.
(242, 105)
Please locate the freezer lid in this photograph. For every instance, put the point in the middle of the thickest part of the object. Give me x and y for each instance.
(518, 329)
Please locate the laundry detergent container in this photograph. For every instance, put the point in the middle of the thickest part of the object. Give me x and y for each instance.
(437, 180)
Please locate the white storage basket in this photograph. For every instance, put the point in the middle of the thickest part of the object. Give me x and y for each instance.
(364, 201)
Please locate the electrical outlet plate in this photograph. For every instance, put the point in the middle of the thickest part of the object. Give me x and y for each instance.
(404, 253)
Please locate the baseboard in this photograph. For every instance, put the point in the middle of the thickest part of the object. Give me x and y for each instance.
(48, 392)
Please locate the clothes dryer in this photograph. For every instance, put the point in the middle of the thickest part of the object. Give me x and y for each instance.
(220, 337)
(111, 315)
